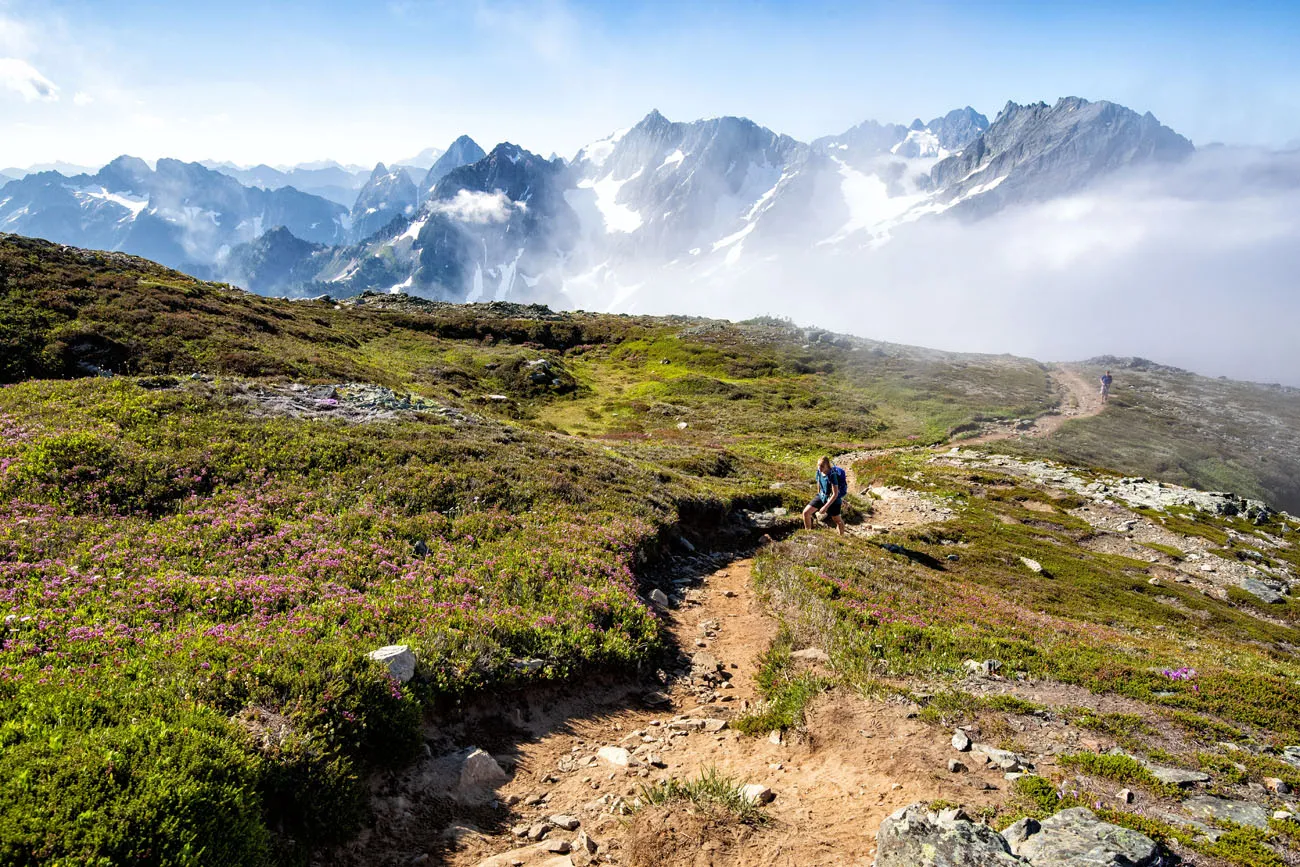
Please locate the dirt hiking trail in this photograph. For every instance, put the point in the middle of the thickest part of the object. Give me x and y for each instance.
(1080, 398)
(896, 508)
(578, 755)
(856, 762)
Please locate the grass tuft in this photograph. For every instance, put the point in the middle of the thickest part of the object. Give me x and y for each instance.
(711, 791)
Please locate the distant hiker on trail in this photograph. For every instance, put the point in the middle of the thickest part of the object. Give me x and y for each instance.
(1106, 380)
(832, 485)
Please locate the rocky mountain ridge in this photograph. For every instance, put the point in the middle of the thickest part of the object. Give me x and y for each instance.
(700, 202)
(705, 200)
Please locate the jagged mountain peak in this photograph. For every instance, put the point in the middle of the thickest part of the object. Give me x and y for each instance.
(1037, 151)
(653, 121)
(463, 151)
(385, 197)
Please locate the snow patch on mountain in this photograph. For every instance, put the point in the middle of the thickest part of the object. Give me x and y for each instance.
(598, 152)
(508, 271)
(674, 158)
(616, 217)
(413, 231)
(476, 288)
(133, 204)
(871, 207)
(920, 143)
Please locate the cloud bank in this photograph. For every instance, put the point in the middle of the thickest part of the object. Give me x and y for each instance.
(1196, 265)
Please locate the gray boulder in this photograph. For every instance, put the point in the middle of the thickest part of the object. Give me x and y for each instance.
(1263, 592)
(1241, 812)
(915, 837)
(1077, 838)
(398, 659)
(1004, 759)
(811, 654)
(480, 774)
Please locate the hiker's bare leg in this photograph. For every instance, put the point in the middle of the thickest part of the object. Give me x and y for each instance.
(839, 524)
(808, 516)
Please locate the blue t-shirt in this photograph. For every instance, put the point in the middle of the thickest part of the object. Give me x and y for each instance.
(826, 484)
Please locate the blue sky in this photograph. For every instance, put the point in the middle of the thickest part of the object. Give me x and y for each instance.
(283, 82)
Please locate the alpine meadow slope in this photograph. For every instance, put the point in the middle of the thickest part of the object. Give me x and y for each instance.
(217, 506)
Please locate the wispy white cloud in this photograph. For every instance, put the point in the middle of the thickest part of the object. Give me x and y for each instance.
(475, 207)
(82, 98)
(25, 80)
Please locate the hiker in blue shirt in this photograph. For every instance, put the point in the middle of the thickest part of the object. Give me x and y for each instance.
(832, 485)
(1105, 386)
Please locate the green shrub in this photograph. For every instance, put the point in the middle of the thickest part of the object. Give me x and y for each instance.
(1119, 769)
(786, 692)
(148, 792)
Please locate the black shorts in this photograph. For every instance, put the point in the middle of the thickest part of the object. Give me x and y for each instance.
(833, 511)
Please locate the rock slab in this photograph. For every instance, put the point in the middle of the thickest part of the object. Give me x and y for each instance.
(1077, 837)
(1241, 812)
(915, 837)
(479, 774)
(616, 756)
(756, 793)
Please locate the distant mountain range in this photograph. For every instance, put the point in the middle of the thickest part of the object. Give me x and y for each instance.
(694, 199)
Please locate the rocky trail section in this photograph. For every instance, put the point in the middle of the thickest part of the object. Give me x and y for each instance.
(567, 767)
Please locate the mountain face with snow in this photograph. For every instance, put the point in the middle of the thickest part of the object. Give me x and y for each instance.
(180, 214)
(1036, 152)
(462, 152)
(664, 188)
(698, 204)
(940, 137)
(388, 195)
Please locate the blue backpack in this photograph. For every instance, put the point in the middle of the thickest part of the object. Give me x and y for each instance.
(840, 480)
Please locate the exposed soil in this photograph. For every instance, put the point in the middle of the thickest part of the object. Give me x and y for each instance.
(1079, 399)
